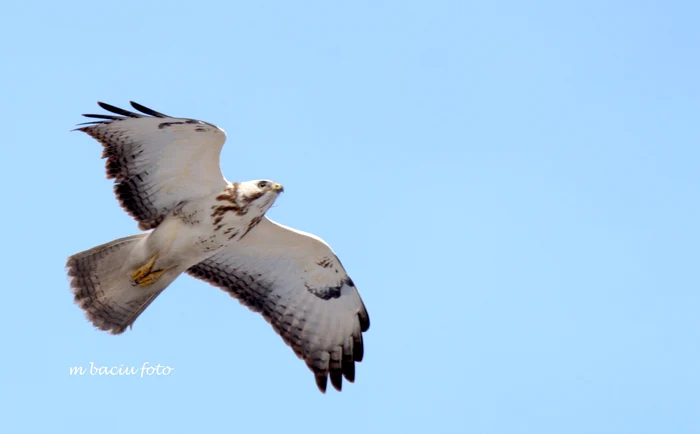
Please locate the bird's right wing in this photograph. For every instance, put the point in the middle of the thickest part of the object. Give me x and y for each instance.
(157, 161)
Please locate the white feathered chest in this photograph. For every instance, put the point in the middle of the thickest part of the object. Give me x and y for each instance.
(222, 218)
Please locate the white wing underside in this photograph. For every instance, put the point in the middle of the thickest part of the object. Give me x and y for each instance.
(298, 284)
(158, 162)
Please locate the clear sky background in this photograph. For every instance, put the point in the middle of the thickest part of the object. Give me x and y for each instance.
(513, 186)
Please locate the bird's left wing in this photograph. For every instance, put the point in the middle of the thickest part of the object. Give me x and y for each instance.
(157, 161)
(300, 287)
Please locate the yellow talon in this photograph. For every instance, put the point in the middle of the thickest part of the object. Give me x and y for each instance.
(143, 271)
(150, 278)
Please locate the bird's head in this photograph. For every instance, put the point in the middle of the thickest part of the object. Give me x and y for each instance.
(260, 193)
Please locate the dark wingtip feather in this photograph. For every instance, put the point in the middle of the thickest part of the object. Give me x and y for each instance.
(146, 110)
(108, 117)
(358, 349)
(364, 320)
(117, 110)
(349, 369)
(337, 380)
(322, 382)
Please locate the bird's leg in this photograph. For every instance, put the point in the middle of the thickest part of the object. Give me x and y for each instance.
(143, 275)
(150, 278)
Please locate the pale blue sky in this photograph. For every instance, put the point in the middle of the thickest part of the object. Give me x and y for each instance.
(513, 187)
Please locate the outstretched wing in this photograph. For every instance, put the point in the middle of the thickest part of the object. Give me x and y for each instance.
(298, 284)
(157, 161)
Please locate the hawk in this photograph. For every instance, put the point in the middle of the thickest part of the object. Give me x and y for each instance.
(167, 177)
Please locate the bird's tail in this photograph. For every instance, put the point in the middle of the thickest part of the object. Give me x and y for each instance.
(103, 286)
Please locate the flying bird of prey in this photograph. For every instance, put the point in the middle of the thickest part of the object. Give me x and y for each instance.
(167, 177)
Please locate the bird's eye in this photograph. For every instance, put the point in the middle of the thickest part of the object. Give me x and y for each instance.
(262, 184)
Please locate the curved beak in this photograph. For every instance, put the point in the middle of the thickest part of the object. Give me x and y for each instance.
(278, 188)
